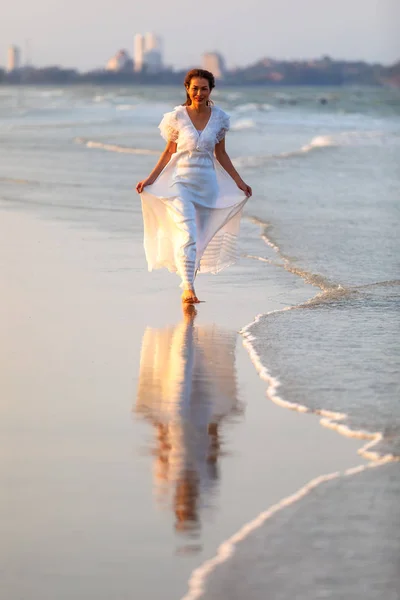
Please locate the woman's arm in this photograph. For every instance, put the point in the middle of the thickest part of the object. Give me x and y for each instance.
(223, 158)
(164, 159)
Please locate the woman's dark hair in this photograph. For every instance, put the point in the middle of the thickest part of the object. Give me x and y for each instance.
(198, 73)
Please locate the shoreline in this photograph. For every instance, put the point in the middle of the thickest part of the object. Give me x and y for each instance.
(84, 261)
(329, 419)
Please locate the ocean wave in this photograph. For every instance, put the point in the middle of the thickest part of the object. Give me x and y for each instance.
(329, 292)
(126, 107)
(114, 147)
(343, 139)
(253, 106)
(358, 138)
(241, 124)
(330, 419)
(323, 283)
(246, 107)
(320, 142)
(317, 143)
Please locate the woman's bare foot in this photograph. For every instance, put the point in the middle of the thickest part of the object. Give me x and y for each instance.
(189, 297)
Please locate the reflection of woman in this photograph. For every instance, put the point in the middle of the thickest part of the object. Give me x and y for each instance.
(192, 200)
(187, 385)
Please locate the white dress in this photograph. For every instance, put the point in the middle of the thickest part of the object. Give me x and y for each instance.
(192, 211)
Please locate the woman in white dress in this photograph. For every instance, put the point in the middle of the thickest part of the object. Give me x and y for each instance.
(193, 199)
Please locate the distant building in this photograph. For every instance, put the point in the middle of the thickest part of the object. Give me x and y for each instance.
(153, 61)
(152, 42)
(148, 53)
(138, 52)
(13, 59)
(120, 62)
(214, 62)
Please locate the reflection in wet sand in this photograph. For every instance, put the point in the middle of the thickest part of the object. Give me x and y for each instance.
(187, 386)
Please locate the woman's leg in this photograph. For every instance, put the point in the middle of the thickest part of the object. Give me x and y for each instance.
(184, 215)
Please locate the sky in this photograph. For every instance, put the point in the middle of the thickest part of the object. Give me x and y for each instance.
(84, 34)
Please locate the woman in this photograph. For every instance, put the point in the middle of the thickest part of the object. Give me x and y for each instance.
(193, 198)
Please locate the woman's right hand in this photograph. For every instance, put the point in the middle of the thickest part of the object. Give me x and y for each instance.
(142, 184)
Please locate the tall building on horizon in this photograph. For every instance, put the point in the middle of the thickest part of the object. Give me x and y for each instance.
(148, 53)
(152, 42)
(138, 52)
(214, 62)
(13, 59)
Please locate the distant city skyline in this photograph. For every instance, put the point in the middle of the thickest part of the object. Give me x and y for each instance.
(89, 32)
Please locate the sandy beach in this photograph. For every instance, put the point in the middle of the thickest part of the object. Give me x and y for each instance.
(81, 516)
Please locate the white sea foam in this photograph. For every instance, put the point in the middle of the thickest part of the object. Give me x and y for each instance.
(253, 162)
(320, 142)
(249, 106)
(250, 162)
(329, 290)
(242, 124)
(115, 147)
(329, 419)
(345, 139)
(126, 106)
(253, 107)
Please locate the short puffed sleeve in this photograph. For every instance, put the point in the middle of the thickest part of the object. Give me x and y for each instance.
(169, 127)
(224, 124)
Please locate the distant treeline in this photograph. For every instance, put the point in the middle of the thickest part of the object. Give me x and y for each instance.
(325, 71)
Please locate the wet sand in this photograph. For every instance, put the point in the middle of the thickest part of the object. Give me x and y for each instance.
(106, 493)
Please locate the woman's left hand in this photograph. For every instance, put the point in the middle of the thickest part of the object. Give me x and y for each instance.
(244, 187)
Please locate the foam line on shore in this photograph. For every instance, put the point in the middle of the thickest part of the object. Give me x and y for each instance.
(328, 291)
(227, 548)
(328, 288)
(115, 147)
(329, 419)
(320, 142)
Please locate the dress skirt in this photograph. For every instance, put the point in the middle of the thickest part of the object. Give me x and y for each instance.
(192, 216)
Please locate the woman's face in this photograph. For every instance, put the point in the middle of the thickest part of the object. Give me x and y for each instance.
(199, 91)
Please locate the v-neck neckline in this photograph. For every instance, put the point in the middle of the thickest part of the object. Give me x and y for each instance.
(199, 131)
